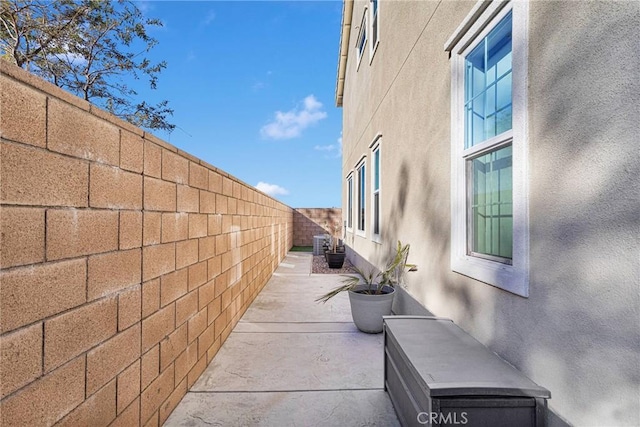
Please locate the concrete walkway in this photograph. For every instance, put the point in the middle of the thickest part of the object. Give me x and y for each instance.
(292, 362)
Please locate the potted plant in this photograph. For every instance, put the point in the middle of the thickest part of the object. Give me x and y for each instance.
(335, 257)
(371, 293)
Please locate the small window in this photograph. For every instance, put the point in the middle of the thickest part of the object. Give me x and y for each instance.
(361, 177)
(350, 202)
(362, 37)
(375, 193)
(375, 32)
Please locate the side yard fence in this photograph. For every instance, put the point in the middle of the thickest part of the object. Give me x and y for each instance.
(125, 262)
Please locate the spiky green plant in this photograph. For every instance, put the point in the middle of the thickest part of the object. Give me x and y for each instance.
(390, 276)
(350, 282)
(396, 267)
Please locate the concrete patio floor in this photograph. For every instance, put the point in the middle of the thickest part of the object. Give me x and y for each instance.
(292, 362)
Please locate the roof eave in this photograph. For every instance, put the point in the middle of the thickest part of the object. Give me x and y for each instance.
(345, 33)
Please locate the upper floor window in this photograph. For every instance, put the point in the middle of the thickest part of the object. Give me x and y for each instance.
(490, 236)
(375, 32)
(362, 37)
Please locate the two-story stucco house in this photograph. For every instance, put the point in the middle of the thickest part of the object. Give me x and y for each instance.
(501, 140)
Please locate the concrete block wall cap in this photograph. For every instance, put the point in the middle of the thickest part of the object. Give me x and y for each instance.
(80, 134)
(209, 166)
(188, 156)
(29, 79)
(121, 123)
(151, 137)
(17, 73)
(24, 112)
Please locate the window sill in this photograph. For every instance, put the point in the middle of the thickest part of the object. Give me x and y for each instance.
(373, 51)
(359, 62)
(503, 276)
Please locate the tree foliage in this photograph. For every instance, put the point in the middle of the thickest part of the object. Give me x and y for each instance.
(88, 47)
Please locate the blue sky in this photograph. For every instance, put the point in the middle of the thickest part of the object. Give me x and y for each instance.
(252, 87)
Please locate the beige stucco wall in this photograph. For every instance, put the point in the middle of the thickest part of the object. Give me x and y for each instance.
(578, 331)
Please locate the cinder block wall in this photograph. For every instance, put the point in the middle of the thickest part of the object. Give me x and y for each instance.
(309, 222)
(125, 262)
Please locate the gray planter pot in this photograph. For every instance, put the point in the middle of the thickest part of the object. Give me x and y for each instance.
(367, 310)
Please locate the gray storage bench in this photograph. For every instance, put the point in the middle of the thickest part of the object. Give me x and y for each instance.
(437, 374)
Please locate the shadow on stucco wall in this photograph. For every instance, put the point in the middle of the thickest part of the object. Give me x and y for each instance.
(578, 332)
(585, 214)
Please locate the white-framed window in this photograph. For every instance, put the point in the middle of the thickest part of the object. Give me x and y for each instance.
(375, 191)
(361, 41)
(374, 6)
(489, 204)
(350, 202)
(361, 201)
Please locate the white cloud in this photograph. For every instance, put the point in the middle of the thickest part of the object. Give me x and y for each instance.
(311, 103)
(290, 124)
(337, 148)
(272, 189)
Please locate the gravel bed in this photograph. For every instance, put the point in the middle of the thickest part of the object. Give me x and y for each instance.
(320, 266)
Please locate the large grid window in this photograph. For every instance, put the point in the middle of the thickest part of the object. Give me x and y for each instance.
(489, 204)
(375, 188)
(488, 111)
(361, 196)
